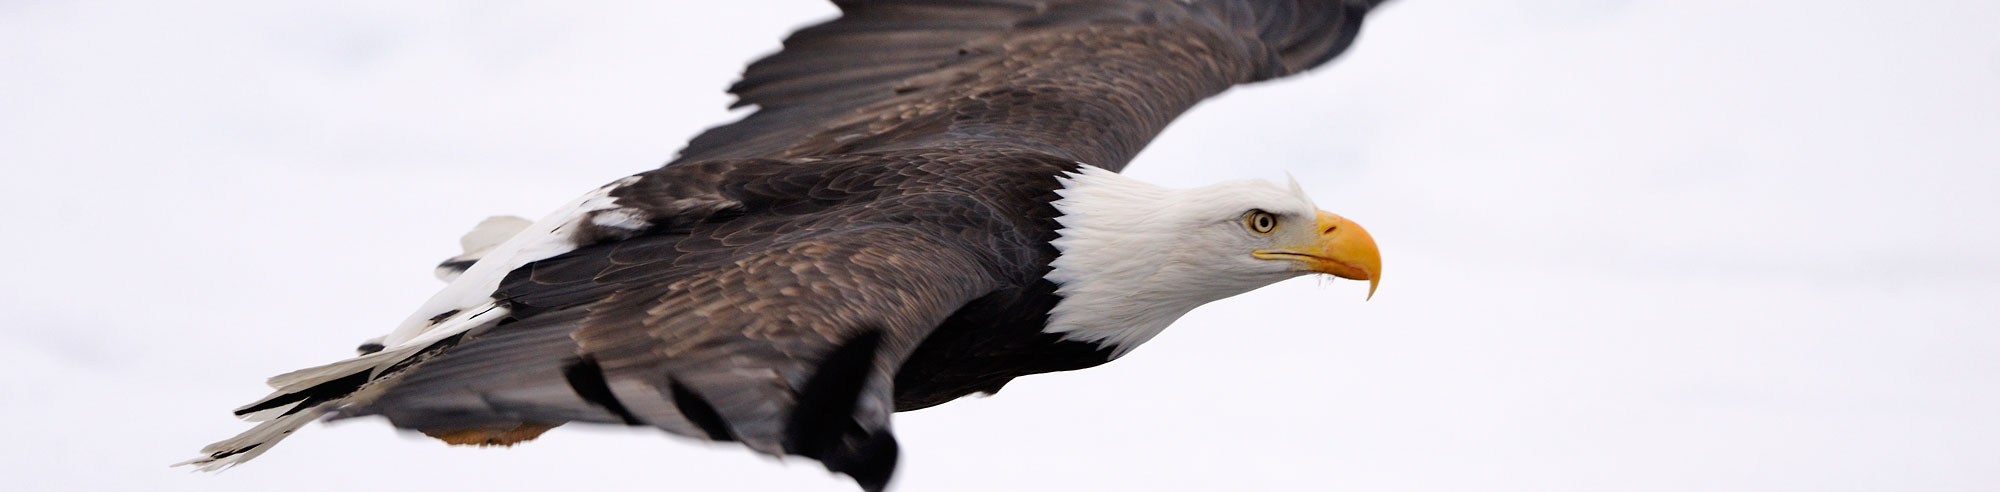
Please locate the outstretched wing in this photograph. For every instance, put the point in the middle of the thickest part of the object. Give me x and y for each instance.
(786, 342)
(1087, 80)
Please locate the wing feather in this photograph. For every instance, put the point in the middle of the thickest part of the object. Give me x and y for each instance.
(1016, 74)
(749, 349)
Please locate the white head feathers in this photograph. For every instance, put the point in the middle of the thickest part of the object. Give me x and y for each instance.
(1135, 256)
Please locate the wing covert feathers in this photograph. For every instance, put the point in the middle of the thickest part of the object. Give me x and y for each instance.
(1090, 80)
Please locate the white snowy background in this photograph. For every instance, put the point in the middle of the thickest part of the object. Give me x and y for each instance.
(1631, 245)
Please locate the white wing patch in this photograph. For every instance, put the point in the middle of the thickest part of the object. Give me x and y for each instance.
(480, 241)
(541, 240)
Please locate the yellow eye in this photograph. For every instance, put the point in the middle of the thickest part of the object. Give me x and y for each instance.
(1261, 222)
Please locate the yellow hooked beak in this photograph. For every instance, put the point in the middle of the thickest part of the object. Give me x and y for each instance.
(1342, 249)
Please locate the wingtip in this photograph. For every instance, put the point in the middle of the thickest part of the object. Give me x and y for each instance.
(873, 464)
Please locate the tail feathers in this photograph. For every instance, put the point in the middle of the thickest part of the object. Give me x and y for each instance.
(303, 378)
(307, 394)
(288, 402)
(267, 413)
(251, 443)
(311, 387)
(443, 333)
(278, 415)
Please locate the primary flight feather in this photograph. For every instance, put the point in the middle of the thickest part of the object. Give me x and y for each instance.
(925, 205)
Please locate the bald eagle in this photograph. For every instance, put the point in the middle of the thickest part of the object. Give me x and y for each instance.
(925, 205)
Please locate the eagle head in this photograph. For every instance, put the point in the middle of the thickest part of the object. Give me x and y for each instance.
(1133, 257)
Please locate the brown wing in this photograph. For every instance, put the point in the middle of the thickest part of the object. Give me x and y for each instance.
(1087, 80)
(770, 304)
(788, 350)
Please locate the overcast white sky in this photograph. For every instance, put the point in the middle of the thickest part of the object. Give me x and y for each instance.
(1631, 245)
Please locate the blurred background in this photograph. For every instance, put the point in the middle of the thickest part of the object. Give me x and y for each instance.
(1631, 245)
